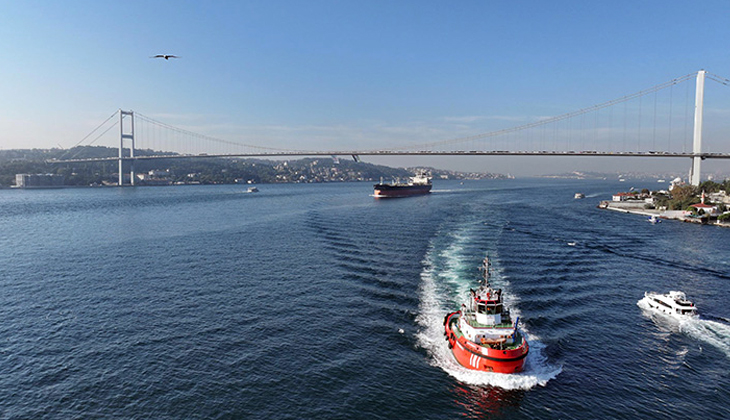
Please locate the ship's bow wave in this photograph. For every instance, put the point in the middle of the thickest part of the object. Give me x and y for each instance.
(448, 274)
(714, 333)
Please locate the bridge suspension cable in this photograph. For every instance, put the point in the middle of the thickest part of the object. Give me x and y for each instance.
(719, 79)
(562, 117)
(633, 128)
(195, 135)
(63, 156)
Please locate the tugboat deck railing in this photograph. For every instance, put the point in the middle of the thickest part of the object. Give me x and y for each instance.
(503, 346)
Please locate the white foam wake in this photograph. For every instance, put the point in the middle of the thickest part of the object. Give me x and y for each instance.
(711, 332)
(433, 308)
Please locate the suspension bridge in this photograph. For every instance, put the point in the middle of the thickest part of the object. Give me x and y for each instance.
(664, 121)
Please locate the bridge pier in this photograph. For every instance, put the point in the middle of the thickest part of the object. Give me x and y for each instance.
(694, 173)
(122, 136)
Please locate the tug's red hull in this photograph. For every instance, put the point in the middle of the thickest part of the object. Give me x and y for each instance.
(483, 358)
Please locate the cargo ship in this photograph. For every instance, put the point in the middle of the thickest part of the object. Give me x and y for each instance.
(417, 185)
(482, 335)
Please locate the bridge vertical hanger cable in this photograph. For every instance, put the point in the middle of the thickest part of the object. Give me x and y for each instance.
(542, 137)
(671, 106)
(570, 133)
(582, 133)
(718, 79)
(609, 142)
(686, 119)
(623, 147)
(653, 133)
(151, 136)
(638, 147)
(595, 128)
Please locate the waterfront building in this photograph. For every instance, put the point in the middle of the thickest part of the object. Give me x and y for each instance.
(155, 177)
(706, 208)
(39, 181)
(623, 196)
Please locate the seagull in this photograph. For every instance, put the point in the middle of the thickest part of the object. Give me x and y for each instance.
(165, 56)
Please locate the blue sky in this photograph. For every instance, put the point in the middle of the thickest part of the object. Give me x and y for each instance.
(341, 74)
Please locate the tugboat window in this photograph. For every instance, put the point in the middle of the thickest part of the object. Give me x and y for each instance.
(480, 308)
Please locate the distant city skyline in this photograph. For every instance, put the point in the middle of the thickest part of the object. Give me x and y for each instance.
(356, 75)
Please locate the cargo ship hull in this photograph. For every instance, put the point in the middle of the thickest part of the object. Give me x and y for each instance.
(393, 191)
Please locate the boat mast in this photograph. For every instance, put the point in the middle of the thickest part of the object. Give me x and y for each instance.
(486, 270)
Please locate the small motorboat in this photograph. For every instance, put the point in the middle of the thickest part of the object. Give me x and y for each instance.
(252, 190)
(579, 195)
(654, 220)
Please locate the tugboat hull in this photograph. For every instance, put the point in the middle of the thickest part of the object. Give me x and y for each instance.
(481, 357)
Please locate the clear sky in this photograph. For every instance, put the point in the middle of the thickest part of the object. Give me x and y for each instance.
(343, 74)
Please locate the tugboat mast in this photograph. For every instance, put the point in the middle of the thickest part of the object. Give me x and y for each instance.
(486, 269)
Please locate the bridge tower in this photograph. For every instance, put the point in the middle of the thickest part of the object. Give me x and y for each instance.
(694, 173)
(122, 136)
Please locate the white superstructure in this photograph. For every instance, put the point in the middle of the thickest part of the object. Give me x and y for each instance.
(421, 178)
(674, 303)
(485, 319)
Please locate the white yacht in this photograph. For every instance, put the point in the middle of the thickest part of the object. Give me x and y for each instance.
(674, 303)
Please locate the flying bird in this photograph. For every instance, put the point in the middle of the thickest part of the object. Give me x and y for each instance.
(165, 56)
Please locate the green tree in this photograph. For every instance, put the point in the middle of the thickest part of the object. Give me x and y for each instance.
(684, 192)
(709, 187)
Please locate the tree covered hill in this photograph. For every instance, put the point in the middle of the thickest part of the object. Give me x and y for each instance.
(201, 170)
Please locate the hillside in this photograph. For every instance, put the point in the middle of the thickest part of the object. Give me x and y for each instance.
(203, 170)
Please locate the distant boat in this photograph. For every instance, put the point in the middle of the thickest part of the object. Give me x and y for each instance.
(579, 195)
(252, 190)
(654, 220)
(660, 180)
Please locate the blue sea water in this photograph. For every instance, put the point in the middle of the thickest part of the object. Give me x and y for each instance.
(318, 301)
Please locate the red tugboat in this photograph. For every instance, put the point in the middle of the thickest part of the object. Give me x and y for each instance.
(482, 336)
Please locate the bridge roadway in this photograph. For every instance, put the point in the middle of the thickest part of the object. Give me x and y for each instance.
(303, 153)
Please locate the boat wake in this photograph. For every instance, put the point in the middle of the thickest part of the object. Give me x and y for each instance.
(711, 332)
(445, 283)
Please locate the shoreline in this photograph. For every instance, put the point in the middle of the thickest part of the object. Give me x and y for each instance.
(678, 215)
